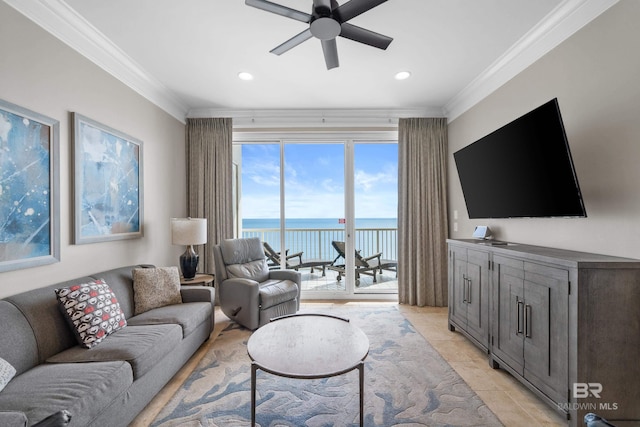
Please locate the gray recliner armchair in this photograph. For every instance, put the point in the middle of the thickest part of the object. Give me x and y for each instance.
(250, 293)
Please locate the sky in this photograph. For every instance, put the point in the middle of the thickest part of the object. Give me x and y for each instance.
(314, 180)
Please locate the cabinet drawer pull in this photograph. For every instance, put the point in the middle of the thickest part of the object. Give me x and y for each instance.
(464, 289)
(468, 291)
(520, 312)
(527, 320)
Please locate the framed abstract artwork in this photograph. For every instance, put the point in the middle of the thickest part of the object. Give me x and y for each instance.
(108, 178)
(29, 188)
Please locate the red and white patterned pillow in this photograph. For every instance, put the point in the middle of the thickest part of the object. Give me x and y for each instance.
(92, 310)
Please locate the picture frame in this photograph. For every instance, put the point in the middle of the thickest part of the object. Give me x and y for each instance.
(108, 183)
(29, 188)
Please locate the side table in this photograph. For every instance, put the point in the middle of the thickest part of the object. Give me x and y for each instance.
(199, 279)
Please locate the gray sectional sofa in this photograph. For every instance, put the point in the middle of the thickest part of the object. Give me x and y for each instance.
(110, 383)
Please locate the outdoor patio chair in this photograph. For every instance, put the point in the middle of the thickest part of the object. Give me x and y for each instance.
(293, 261)
(370, 265)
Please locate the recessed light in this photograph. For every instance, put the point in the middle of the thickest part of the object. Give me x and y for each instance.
(402, 75)
(245, 76)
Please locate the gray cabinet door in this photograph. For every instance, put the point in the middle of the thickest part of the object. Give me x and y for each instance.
(478, 295)
(508, 329)
(458, 288)
(546, 357)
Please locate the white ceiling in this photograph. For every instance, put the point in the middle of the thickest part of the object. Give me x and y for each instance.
(184, 55)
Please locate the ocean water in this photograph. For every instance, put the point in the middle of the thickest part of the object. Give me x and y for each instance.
(313, 236)
(313, 223)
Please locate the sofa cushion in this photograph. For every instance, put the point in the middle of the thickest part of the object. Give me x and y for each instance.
(6, 373)
(85, 390)
(274, 292)
(155, 287)
(18, 343)
(188, 315)
(141, 346)
(92, 311)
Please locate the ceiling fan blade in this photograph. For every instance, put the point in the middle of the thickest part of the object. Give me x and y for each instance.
(354, 8)
(330, 49)
(292, 42)
(365, 36)
(279, 10)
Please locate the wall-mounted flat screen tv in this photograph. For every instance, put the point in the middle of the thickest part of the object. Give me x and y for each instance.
(523, 169)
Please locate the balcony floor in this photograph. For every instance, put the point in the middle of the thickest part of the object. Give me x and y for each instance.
(386, 282)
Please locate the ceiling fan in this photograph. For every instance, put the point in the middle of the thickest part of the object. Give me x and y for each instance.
(327, 21)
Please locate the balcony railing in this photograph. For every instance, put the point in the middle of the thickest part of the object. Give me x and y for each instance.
(316, 243)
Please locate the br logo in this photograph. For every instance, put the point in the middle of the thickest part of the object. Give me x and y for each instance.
(584, 390)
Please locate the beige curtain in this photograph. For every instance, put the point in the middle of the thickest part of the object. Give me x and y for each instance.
(422, 211)
(209, 181)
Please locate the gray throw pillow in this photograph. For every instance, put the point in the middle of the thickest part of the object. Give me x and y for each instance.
(155, 287)
(6, 373)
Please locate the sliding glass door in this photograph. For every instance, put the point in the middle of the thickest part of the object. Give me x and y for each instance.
(325, 207)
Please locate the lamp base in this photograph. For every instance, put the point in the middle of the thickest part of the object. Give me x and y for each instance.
(189, 263)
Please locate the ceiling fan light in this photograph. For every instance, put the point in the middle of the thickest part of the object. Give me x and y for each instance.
(243, 75)
(402, 75)
(325, 28)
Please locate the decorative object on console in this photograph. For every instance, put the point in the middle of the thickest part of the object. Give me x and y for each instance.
(189, 232)
(108, 197)
(155, 287)
(92, 310)
(29, 190)
(482, 232)
(326, 22)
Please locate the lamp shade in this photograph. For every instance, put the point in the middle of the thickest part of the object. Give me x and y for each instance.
(188, 231)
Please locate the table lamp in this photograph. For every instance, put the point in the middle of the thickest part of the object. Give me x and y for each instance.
(189, 232)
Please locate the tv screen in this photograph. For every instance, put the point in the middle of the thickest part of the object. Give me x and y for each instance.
(523, 169)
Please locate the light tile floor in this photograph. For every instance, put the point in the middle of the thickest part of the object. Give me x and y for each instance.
(512, 403)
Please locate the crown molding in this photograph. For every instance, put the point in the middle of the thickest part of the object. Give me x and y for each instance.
(312, 118)
(562, 22)
(63, 22)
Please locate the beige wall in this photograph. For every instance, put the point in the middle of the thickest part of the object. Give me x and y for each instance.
(40, 73)
(595, 74)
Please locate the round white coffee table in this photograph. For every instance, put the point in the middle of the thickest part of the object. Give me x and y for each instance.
(307, 346)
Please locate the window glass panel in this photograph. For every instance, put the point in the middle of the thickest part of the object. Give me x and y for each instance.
(259, 204)
(376, 212)
(314, 211)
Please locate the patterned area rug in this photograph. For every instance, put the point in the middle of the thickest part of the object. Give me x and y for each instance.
(407, 383)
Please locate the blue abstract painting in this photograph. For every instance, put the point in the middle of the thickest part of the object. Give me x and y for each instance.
(26, 188)
(108, 183)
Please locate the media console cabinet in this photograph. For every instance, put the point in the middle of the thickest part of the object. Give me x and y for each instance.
(564, 323)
